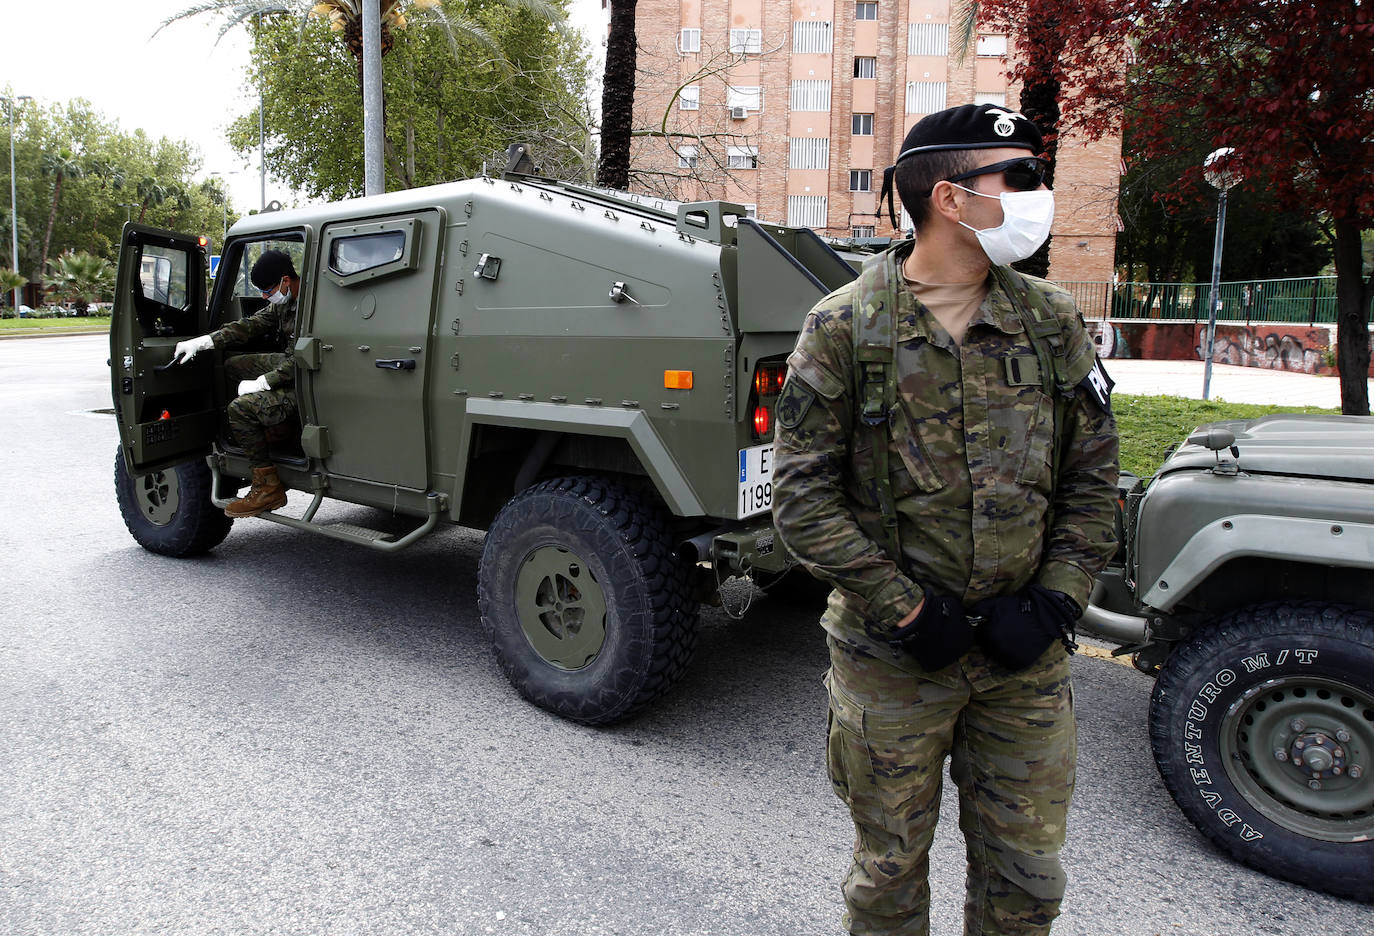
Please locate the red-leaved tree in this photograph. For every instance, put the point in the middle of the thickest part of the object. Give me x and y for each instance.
(1289, 84)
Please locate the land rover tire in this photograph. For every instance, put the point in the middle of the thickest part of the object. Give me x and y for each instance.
(170, 511)
(589, 610)
(1262, 727)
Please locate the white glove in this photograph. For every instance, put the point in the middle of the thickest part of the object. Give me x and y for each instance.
(254, 385)
(190, 348)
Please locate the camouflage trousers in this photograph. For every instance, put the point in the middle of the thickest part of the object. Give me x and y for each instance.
(1012, 746)
(250, 414)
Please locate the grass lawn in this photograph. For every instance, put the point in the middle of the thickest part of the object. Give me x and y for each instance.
(88, 322)
(1148, 425)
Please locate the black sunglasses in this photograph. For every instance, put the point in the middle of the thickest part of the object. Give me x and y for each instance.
(1024, 173)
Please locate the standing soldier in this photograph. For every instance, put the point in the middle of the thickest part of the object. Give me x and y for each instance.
(947, 460)
(265, 381)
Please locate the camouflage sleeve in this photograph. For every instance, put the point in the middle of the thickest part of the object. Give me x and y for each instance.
(262, 322)
(1084, 534)
(811, 510)
(284, 374)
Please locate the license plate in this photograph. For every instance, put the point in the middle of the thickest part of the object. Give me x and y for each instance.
(755, 480)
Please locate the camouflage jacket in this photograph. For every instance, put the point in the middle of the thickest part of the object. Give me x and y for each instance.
(969, 460)
(277, 322)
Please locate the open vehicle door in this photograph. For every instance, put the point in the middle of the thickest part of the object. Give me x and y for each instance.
(166, 412)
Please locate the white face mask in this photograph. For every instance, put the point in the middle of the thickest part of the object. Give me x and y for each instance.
(278, 298)
(1026, 220)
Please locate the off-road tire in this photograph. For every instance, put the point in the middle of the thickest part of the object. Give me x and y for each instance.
(169, 512)
(557, 553)
(1246, 711)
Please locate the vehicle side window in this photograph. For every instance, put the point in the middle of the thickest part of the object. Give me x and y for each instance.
(163, 273)
(355, 254)
(365, 251)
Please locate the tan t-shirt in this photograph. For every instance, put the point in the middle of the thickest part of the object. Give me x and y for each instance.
(953, 304)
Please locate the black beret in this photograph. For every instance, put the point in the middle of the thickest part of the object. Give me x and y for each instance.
(966, 127)
(270, 268)
(972, 126)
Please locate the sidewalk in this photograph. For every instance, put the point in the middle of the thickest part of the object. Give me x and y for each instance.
(1230, 383)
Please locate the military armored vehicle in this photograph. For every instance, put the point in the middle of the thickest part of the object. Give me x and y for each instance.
(1245, 583)
(587, 375)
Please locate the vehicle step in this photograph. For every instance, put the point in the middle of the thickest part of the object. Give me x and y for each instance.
(359, 532)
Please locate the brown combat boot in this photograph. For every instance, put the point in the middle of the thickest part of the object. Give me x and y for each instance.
(267, 493)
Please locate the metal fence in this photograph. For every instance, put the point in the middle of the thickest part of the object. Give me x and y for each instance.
(1310, 300)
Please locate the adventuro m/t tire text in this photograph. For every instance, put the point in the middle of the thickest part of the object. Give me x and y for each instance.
(1262, 727)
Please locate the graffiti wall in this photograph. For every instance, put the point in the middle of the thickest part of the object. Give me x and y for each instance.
(1274, 346)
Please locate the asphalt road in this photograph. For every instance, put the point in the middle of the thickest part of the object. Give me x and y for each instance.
(299, 736)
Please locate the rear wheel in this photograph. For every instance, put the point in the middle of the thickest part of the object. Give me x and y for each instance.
(170, 511)
(590, 612)
(1263, 730)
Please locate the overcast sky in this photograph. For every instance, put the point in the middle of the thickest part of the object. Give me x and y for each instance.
(179, 84)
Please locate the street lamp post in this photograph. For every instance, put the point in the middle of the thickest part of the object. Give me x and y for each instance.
(14, 208)
(1221, 169)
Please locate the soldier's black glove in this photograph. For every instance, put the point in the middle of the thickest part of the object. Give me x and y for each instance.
(939, 635)
(1016, 629)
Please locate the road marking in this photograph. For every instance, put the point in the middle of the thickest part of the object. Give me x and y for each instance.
(1102, 653)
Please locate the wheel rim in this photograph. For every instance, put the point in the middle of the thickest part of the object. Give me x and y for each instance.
(158, 496)
(561, 606)
(1299, 750)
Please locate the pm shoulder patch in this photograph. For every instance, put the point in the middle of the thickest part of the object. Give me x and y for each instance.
(795, 400)
(1098, 386)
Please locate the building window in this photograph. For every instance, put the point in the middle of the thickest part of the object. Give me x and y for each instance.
(689, 40)
(806, 211)
(741, 157)
(861, 180)
(808, 153)
(990, 97)
(925, 97)
(689, 98)
(863, 230)
(811, 94)
(687, 156)
(927, 39)
(992, 45)
(865, 66)
(865, 11)
(809, 36)
(746, 40)
(863, 124)
(750, 98)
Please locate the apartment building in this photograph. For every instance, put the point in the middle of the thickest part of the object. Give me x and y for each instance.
(793, 108)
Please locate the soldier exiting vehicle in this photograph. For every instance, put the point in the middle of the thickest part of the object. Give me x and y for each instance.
(947, 459)
(265, 381)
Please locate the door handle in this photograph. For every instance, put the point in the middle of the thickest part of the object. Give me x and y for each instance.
(396, 363)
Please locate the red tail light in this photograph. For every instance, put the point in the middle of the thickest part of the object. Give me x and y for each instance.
(763, 421)
(768, 379)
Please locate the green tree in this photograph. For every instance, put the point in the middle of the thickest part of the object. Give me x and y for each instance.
(82, 278)
(10, 280)
(445, 118)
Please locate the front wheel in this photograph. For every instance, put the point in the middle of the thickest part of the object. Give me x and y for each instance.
(170, 511)
(590, 612)
(1263, 730)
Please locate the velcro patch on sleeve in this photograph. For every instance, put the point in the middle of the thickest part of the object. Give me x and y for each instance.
(1098, 386)
(796, 398)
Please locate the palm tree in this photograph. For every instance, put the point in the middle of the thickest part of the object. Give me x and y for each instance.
(10, 280)
(82, 278)
(60, 165)
(150, 192)
(618, 97)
